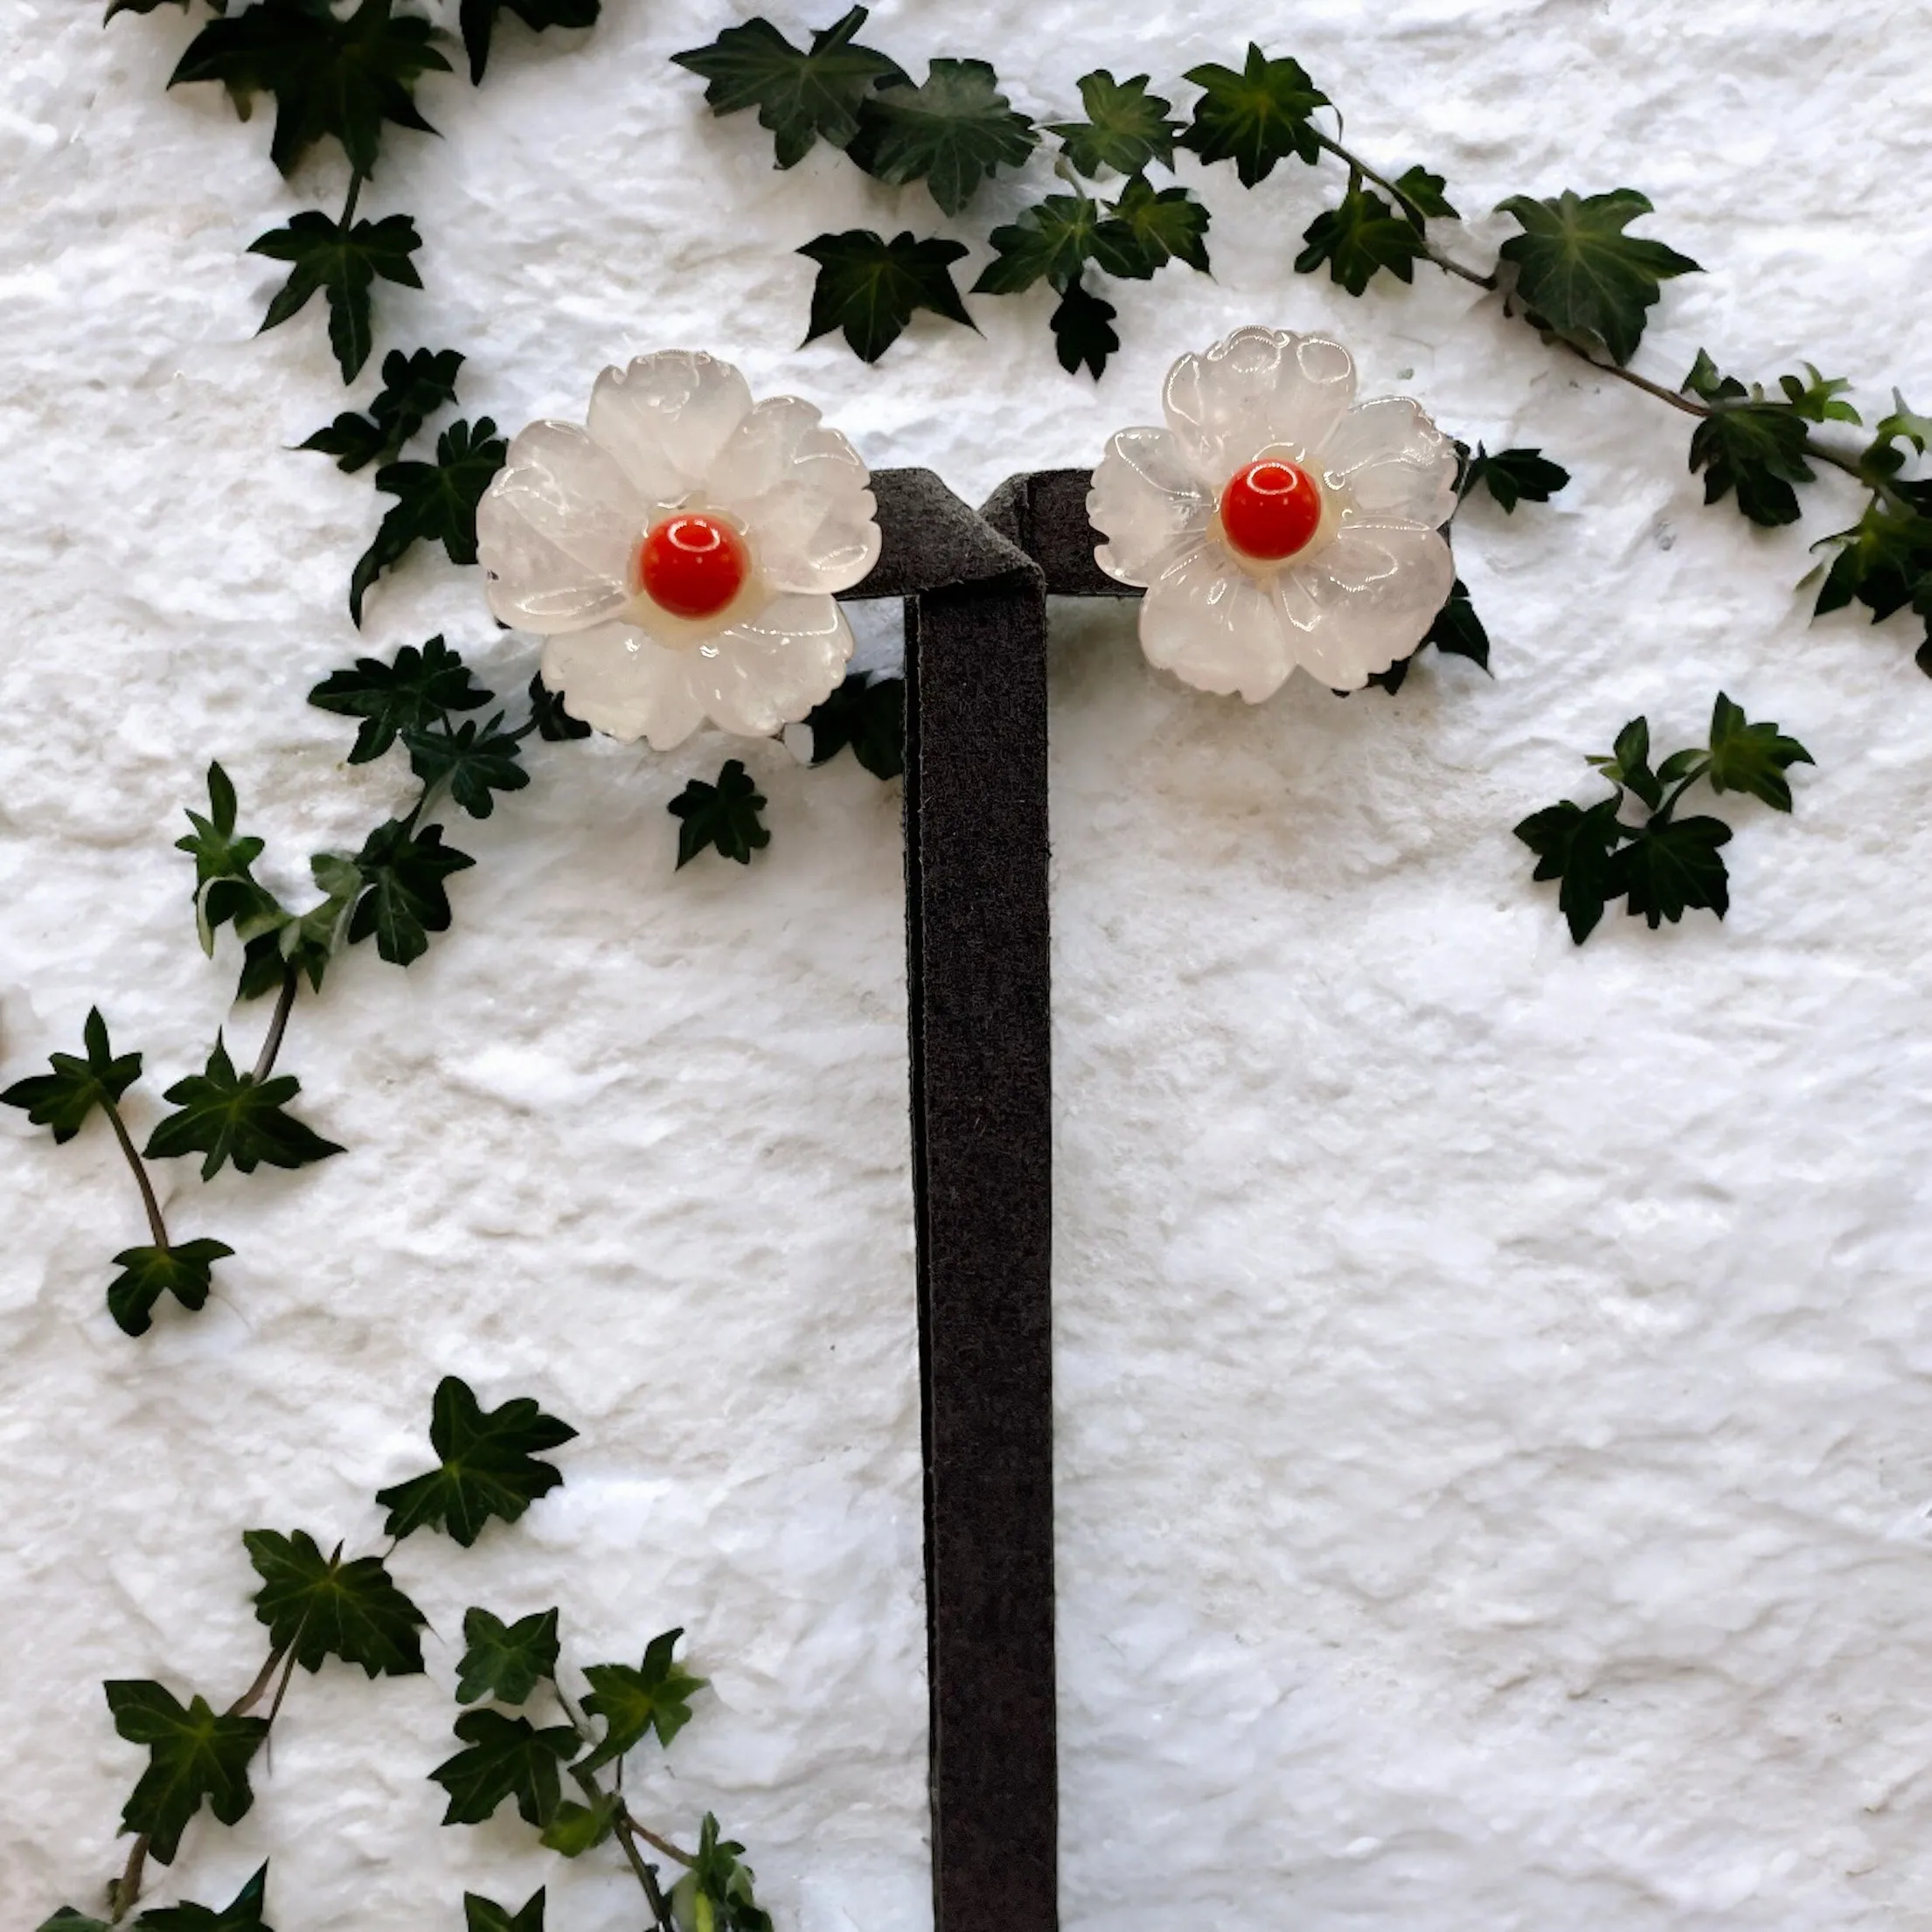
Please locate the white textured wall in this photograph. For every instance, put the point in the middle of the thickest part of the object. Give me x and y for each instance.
(1495, 1443)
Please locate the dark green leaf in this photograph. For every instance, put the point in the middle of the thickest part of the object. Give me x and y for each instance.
(475, 761)
(653, 1696)
(719, 1882)
(320, 1606)
(63, 1099)
(579, 1828)
(724, 816)
(554, 725)
(801, 98)
(482, 1915)
(1756, 448)
(869, 287)
(344, 262)
(1630, 762)
(1515, 476)
(869, 714)
(414, 388)
(951, 133)
(1752, 758)
(1363, 235)
(195, 1755)
(1425, 193)
(1578, 847)
(186, 1271)
(408, 898)
(1256, 117)
(66, 1919)
(243, 1912)
(508, 1757)
(1818, 398)
(489, 1466)
(1884, 561)
(307, 941)
(1150, 228)
(505, 1661)
(411, 694)
(217, 852)
(478, 20)
(1050, 240)
(1126, 128)
(228, 1116)
(1905, 424)
(1457, 630)
(1669, 868)
(1581, 276)
(436, 502)
(1083, 330)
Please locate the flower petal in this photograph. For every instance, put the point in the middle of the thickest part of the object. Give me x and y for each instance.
(1366, 600)
(618, 681)
(1395, 463)
(666, 417)
(1260, 388)
(1215, 626)
(800, 490)
(768, 672)
(1143, 496)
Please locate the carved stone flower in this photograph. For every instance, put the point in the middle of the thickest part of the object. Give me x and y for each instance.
(1275, 521)
(680, 552)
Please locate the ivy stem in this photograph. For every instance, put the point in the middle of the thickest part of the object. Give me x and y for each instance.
(156, 1226)
(628, 1831)
(265, 1061)
(349, 206)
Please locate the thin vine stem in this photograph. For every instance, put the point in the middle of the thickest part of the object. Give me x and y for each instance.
(271, 1044)
(138, 1167)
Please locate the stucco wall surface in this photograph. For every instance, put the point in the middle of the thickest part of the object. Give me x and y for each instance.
(1496, 1437)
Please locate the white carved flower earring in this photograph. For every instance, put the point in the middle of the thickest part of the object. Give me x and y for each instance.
(681, 552)
(1275, 521)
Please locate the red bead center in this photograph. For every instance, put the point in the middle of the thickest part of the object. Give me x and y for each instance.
(692, 566)
(1271, 510)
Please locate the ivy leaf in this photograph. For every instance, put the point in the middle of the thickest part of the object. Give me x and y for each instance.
(1051, 240)
(408, 899)
(63, 1099)
(579, 1828)
(1256, 117)
(1155, 226)
(489, 1466)
(1819, 399)
(1629, 763)
(344, 262)
(1579, 848)
(475, 761)
(186, 1271)
(243, 1912)
(478, 20)
(319, 1607)
(1515, 476)
(951, 132)
(307, 941)
(724, 816)
(1363, 235)
(1752, 758)
(1424, 191)
(1457, 630)
(1125, 129)
(554, 725)
(869, 714)
(482, 1915)
(801, 98)
(508, 1757)
(437, 502)
(1672, 867)
(66, 1919)
(333, 76)
(194, 1755)
(235, 1117)
(1905, 424)
(1754, 447)
(217, 852)
(414, 388)
(869, 287)
(505, 1661)
(1581, 276)
(717, 1891)
(1884, 561)
(1083, 330)
(410, 694)
(654, 1696)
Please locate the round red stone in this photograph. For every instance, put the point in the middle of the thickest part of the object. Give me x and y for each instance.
(691, 565)
(1271, 510)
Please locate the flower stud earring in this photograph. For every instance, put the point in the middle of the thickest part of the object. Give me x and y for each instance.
(1275, 521)
(681, 552)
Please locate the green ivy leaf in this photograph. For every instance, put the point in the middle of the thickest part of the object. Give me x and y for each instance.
(1153, 227)
(482, 1915)
(436, 502)
(801, 98)
(1754, 447)
(1256, 117)
(413, 693)
(225, 885)
(186, 1271)
(1363, 235)
(724, 816)
(1083, 330)
(1884, 562)
(408, 899)
(414, 388)
(715, 1895)
(869, 287)
(333, 76)
(507, 1757)
(1819, 399)
(344, 262)
(869, 714)
(63, 1099)
(1514, 475)
(952, 132)
(579, 1828)
(1457, 630)
(1578, 847)
(1126, 128)
(1752, 758)
(1581, 276)
(1051, 240)
(475, 761)
(505, 1661)
(1905, 424)
(1672, 867)
(1629, 763)
(489, 1466)
(195, 1755)
(554, 725)
(307, 941)
(653, 1696)
(66, 1919)
(1424, 191)
(243, 1912)
(478, 21)
(235, 1117)
(320, 1606)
